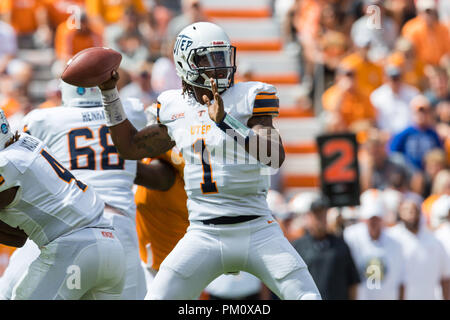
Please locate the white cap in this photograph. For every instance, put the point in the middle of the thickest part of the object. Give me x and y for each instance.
(301, 203)
(80, 97)
(372, 204)
(392, 199)
(277, 204)
(5, 130)
(440, 210)
(423, 5)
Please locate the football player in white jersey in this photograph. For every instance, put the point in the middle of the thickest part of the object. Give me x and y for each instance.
(78, 137)
(228, 142)
(80, 255)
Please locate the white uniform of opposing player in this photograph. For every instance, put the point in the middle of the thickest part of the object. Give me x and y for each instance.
(222, 180)
(63, 216)
(80, 140)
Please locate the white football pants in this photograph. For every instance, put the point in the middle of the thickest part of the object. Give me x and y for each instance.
(135, 286)
(18, 264)
(86, 264)
(207, 251)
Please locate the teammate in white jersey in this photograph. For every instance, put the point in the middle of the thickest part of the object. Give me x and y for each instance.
(80, 258)
(79, 138)
(231, 227)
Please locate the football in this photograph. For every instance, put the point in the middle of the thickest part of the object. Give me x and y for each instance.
(91, 67)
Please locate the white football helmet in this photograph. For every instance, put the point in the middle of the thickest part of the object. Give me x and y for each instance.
(202, 51)
(5, 130)
(80, 97)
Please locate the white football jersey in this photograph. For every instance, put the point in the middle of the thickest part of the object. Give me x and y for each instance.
(80, 140)
(50, 201)
(226, 180)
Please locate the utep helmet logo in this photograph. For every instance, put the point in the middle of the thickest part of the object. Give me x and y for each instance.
(81, 91)
(183, 43)
(4, 128)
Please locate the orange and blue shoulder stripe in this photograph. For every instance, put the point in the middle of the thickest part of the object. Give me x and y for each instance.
(266, 103)
(158, 107)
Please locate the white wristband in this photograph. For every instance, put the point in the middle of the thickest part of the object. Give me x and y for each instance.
(234, 128)
(114, 112)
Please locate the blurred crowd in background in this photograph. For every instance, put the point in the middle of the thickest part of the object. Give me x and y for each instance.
(380, 69)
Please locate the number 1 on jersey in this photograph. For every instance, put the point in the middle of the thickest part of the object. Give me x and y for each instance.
(208, 185)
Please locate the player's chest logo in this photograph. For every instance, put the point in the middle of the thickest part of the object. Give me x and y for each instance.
(199, 129)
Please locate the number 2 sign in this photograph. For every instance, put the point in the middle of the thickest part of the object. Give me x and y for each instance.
(339, 174)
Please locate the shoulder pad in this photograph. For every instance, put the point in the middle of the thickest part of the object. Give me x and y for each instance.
(165, 101)
(134, 109)
(263, 97)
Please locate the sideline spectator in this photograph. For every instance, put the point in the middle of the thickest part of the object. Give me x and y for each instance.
(329, 45)
(126, 38)
(430, 38)
(426, 262)
(441, 223)
(392, 102)
(382, 37)
(164, 74)
(192, 11)
(298, 207)
(376, 167)
(28, 18)
(441, 186)
(377, 255)
(106, 12)
(140, 86)
(347, 100)
(8, 49)
(434, 161)
(404, 57)
(401, 10)
(443, 125)
(368, 75)
(327, 256)
(416, 140)
(69, 41)
(439, 89)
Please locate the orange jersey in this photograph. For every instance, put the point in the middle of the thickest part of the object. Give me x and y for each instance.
(5, 254)
(111, 11)
(22, 14)
(369, 75)
(161, 216)
(430, 42)
(354, 106)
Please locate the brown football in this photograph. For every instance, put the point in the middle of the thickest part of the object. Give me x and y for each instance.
(91, 67)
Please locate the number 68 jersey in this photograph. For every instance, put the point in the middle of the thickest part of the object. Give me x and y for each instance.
(221, 178)
(80, 140)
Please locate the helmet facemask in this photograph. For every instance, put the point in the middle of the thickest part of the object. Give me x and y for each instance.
(217, 62)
